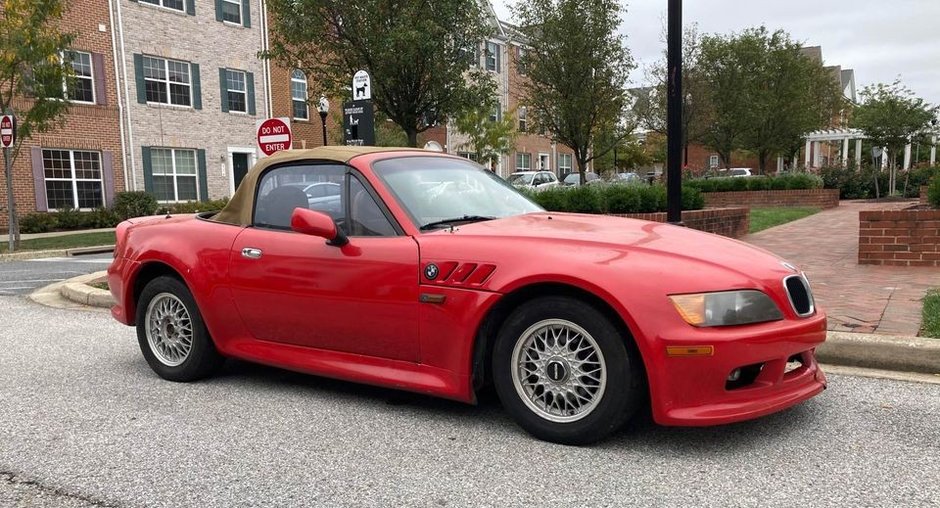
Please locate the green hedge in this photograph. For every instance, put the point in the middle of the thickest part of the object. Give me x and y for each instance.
(860, 184)
(933, 193)
(612, 199)
(757, 183)
(126, 205)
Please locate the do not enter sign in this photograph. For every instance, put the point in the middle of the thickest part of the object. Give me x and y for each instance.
(274, 135)
(7, 131)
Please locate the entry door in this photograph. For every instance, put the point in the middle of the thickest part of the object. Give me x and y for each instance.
(240, 162)
(544, 162)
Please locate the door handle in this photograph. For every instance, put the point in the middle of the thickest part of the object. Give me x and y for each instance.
(251, 253)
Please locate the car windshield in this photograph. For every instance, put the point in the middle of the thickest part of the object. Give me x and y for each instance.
(738, 172)
(521, 178)
(573, 178)
(435, 189)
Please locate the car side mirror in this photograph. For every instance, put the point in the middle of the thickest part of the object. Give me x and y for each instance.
(314, 223)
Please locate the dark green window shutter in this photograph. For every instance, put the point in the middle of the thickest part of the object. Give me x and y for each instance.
(197, 87)
(203, 177)
(246, 13)
(139, 77)
(223, 90)
(148, 168)
(250, 86)
(191, 7)
(218, 10)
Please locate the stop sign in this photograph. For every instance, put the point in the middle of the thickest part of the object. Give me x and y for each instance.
(274, 135)
(7, 131)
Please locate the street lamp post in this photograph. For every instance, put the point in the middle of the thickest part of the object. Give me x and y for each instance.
(324, 108)
(674, 114)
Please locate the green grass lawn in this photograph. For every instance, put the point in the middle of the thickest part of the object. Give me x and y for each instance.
(63, 242)
(931, 316)
(763, 218)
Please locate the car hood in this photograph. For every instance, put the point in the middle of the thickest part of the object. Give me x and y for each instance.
(581, 231)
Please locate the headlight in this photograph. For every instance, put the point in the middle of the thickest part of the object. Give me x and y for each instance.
(726, 308)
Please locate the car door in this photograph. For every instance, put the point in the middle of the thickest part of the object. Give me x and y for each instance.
(292, 288)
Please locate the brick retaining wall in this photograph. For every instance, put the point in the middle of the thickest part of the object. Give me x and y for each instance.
(899, 238)
(732, 222)
(822, 198)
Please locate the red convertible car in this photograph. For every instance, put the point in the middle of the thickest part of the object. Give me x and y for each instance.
(426, 272)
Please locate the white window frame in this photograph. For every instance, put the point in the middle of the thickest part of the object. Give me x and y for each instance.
(91, 77)
(160, 4)
(166, 81)
(713, 161)
(229, 89)
(494, 55)
(73, 179)
(497, 114)
(547, 158)
(175, 175)
(520, 68)
(562, 166)
(523, 157)
(523, 119)
(306, 97)
(240, 21)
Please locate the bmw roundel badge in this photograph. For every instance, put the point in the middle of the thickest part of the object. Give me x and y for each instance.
(431, 271)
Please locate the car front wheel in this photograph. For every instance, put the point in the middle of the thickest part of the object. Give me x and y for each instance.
(564, 372)
(172, 335)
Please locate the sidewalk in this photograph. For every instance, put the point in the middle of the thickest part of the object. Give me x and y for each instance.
(24, 236)
(858, 298)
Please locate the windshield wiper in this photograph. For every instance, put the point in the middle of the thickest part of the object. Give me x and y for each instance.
(465, 218)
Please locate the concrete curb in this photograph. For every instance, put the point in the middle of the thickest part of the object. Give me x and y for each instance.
(884, 352)
(32, 254)
(101, 249)
(78, 290)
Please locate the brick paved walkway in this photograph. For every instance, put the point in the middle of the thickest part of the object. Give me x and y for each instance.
(857, 298)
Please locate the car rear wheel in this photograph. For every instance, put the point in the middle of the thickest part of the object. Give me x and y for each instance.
(564, 372)
(172, 335)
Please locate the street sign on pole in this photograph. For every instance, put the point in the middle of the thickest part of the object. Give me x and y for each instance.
(7, 131)
(358, 123)
(362, 86)
(274, 135)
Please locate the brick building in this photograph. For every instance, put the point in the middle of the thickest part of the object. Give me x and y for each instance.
(77, 165)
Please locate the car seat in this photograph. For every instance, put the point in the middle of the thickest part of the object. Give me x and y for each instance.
(276, 207)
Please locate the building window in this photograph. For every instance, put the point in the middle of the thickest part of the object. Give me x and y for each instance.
(232, 11)
(468, 155)
(564, 163)
(523, 161)
(713, 161)
(497, 113)
(492, 56)
(73, 179)
(167, 81)
(522, 119)
(236, 91)
(174, 174)
(298, 94)
(176, 5)
(81, 88)
(520, 63)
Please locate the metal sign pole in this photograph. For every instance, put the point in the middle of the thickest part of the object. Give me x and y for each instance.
(674, 114)
(7, 171)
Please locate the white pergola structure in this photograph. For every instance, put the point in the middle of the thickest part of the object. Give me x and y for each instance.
(815, 139)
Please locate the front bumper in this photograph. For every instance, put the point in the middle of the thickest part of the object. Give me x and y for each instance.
(695, 391)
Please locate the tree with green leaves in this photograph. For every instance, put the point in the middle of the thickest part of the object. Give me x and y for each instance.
(488, 139)
(418, 53)
(650, 102)
(576, 67)
(891, 115)
(32, 72)
(765, 94)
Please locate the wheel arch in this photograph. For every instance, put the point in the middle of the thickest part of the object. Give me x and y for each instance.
(147, 272)
(485, 337)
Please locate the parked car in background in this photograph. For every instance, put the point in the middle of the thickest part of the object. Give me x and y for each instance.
(626, 178)
(738, 172)
(574, 179)
(436, 276)
(533, 180)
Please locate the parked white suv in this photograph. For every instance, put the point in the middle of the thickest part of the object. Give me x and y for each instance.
(537, 180)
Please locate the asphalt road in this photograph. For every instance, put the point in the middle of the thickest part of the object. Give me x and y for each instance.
(84, 422)
(22, 277)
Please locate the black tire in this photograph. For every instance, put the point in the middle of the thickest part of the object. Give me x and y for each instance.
(202, 359)
(623, 392)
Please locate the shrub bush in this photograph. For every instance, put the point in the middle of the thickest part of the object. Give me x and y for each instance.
(933, 193)
(860, 184)
(134, 204)
(194, 206)
(620, 199)
(39, 222)
(757, 183)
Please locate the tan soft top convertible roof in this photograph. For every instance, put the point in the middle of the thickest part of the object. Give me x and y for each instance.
(238, 210)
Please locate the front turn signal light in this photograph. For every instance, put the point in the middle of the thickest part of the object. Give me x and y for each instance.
(726, 308)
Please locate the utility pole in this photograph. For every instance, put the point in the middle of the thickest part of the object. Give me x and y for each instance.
(674, 114)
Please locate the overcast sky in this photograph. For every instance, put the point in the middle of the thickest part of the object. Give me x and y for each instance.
(880, 39)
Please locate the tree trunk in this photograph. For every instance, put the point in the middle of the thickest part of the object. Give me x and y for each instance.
(582, 170)
(412, 137)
